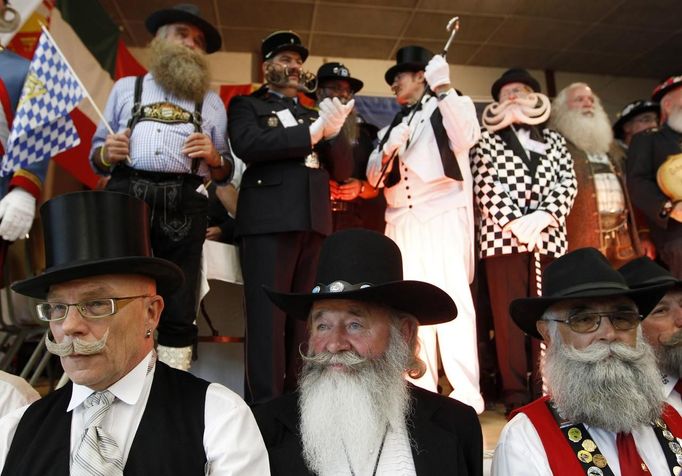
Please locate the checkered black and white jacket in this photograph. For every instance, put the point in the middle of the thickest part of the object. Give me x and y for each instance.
(504, 191)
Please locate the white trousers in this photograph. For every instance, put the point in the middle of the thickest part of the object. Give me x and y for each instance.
(438, 252)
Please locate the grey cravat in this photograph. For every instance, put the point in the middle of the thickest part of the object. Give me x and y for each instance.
(97, 454)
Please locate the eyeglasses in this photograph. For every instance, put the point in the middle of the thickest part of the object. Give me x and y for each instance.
(586, 322)
(93, 309)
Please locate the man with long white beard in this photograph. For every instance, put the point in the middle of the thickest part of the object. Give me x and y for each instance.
(524, 187)
(663, 326)
(602, 216)
(647, 153)
(604, 411)
(169, 137)
(354, 413)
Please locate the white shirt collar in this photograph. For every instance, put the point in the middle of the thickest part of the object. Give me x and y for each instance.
(669, 382)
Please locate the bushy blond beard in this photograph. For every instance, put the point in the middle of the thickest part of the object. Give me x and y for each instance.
(591, 134)
(179, 70)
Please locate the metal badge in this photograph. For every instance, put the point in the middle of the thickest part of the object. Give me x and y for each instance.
(599, 460)
(589, 445)
(660, 423)
(679, 459)
(594, 471)
(273, 121)
(675, 447)
(585, 456)
(575, 435)
(336, 287)
(668, 435)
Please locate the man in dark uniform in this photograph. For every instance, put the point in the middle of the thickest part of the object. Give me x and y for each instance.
(283, 212)
(647, 153)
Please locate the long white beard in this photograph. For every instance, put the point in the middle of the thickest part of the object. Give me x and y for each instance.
(675, 119)
(345, 414)
(591, 134)
(611, 386)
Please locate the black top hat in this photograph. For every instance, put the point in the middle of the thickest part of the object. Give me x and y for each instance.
(633, 109)
(94, 233)
(185, 13)
(338, 71)
(364, 265)
(514, 75)
(409, 58)
(667, 85)
(583, 273)
(282, 41)
(643, 272)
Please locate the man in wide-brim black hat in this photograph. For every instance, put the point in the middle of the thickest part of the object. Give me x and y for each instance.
(354, 413)
(102, 295)
(604, 405)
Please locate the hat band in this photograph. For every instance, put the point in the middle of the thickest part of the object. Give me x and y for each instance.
(594, 286)
(338, 287)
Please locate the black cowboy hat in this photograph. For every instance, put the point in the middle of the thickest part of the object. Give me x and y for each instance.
(185, 13)
(409, 58)
(583, 273)
(631, 110)
(94, 233)
(338, 71)
(666, 85)
(644, 272)
(364, 265)
(514, 75)
(282, 41)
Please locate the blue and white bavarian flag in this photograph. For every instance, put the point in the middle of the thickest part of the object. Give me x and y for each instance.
(42, 126)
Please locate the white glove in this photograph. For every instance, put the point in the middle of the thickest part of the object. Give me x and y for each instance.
(527, 228)
(437, 72)
(17, 210)
(397, 139)
(317, 130)
(334, 113)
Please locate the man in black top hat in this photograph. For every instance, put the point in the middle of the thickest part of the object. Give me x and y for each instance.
(355, 203)
(604, 408)
(524, 187)
(283, 211)
(647, 153)
(354, 413)
(123, 412)
(169, 136)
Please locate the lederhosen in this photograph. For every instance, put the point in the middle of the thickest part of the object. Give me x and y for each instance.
(178, 218)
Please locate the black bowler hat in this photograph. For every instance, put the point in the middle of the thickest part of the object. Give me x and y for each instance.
(633, 109)
(409, 58)
(282, 41)
(667, 85)
(643, 272)
(514, 75)
(94, 233)
(338, 71)
(363, 265)
(185, 13)
(582, 273)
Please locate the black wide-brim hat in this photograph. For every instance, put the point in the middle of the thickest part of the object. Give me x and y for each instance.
(582, 273)
(95, 233)
(643, 272)
(514, 75)
(633, 109)
(279, 41)
(364, 265)
(185, 13)
(338, 71)
(667, 85)
(409, 58)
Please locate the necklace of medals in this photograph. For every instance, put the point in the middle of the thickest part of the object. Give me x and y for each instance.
(376, 463)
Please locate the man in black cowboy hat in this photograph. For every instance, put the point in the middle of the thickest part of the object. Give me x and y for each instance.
(354, 413)
(422, 163)
(283, 211)
(123, 412)
(663, 326)
(604, 410)
(355, 203)
(168, 138)
(524, 187)
(647, 153)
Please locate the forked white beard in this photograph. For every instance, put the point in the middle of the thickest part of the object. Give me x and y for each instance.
(591, 134)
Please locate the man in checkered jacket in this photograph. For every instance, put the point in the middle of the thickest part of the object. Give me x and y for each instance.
(524, 186)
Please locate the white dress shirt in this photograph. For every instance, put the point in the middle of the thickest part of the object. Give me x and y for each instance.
(672, 396)
(15, 392)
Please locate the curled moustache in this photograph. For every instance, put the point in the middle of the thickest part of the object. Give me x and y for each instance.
(74, 345)
(279, 76)
(532, 110)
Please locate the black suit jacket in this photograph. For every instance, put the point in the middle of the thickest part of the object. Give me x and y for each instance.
(278, 192)
(647, 152)
(447, 434)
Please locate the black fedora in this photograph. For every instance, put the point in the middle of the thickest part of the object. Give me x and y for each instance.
(631, 110)
(364, 265)
(514, 75)
(338, 71)
(582, 273)
(643, 272)
(409, 58)
(94, 233)
(185, 13)
(669, 84)
(282, 41)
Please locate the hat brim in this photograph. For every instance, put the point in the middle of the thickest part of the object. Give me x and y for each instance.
(428, 303)
(165, 17)
(300, 49)
(658, 95)
(393, 71)
(504, 80)
(168, 275)
(618, 125)
(525, 312)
